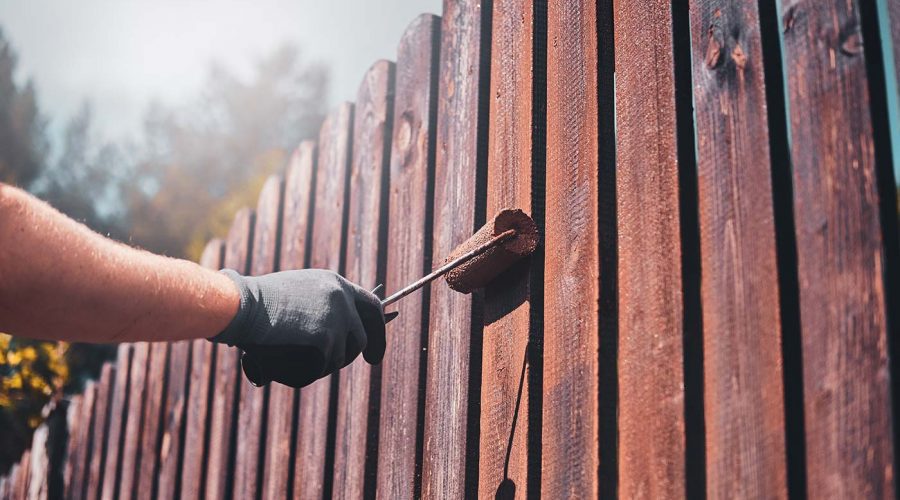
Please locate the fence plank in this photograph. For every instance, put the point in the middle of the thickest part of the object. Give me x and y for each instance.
(196, 442)
(354, 438)
(744, 410)
(507, 366)
(408, 255)
(651, 394)
(137, 395)
(173, 418)
(454, 339)
(39, 469)
(572, 286)
(294, 238)
(101, 418)
(839, 253)
(118, 417)
(24, 476)
(251, 411)
(148, 464)
(223, 425)
(330, 217)
(82, 451)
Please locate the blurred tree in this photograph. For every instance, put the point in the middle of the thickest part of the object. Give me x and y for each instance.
(23, 141)
(199, 160)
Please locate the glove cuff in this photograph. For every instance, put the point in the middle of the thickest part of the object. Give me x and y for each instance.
(237, 329)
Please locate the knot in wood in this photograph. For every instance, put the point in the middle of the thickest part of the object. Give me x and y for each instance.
(714, 47)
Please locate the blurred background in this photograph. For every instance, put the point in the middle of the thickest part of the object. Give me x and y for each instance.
(153, 122)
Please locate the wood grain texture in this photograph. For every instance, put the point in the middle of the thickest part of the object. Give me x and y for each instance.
(223, 424)
(196, 442)
(73, 415)
(173, 419)
(742, 366)
(101, 418)
(408, 255)
(651, 396)
(458, 212)
(839, 253)
(570, 456)
(151, 434)
(130, 452)
(506, 375)
(118, 417)
(81, 453)
(329, 219)
(251, 413)
(368, 177)
(295, 224)
(23, 478)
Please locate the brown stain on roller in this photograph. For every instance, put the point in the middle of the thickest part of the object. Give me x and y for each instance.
(482, 269)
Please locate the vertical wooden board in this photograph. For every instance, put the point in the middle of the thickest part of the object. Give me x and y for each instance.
(371, 154)
(223, 430)
(294, 229)
(651, 394)
(570, 426)
(408, 257)
(4, 486)
(839, 253)
(742, 386)
(24, 476)
(118, 417)
(251, 412)
(327, 246)
(73, 413)
(148, 467)
(82, 453)
(173, 418)
(101, 418)
(137, 392)
(505, 373)
(193, 468)
(458, 211)
(39, 468)
(11, 482)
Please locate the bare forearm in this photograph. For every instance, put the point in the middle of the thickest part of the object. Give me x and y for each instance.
(59, 280)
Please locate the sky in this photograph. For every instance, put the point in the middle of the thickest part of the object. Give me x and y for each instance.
(122, 54)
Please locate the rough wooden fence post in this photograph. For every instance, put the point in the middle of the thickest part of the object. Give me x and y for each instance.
(151, 434)
(571, 457)
(295, 225)
(408, 257)
(101, 420)
(840, 253)
(197, 424)
(454, 352)
(252, 410)
(651, 381)
(80, 444)
(357, 406)
(743, 390)
(137, 394)
(223, 426)
(315, 433)
(118, 417)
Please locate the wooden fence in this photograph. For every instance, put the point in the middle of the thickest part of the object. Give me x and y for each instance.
(713, 311)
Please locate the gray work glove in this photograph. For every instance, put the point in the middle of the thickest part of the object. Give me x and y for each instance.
(296, 327)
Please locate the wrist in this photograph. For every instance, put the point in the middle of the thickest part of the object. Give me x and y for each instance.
(240, 322)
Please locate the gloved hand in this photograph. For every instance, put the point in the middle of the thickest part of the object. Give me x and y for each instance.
(298, 326)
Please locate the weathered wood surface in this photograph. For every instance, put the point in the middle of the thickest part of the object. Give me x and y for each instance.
(570, 453)
(454, 353)
(222, 419)
(252, 411)
(408, 256)
(24, 478)
(130, 453)
(742, 366)
(118, 417)
(105, 388)
(151, 434)
(196, 439)
(651, 396)
(295, 225)
(356, 438)
(73, 412)
(81, 452)
(508, 349)
(173, 419)
(839, 253)
(329, 220)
